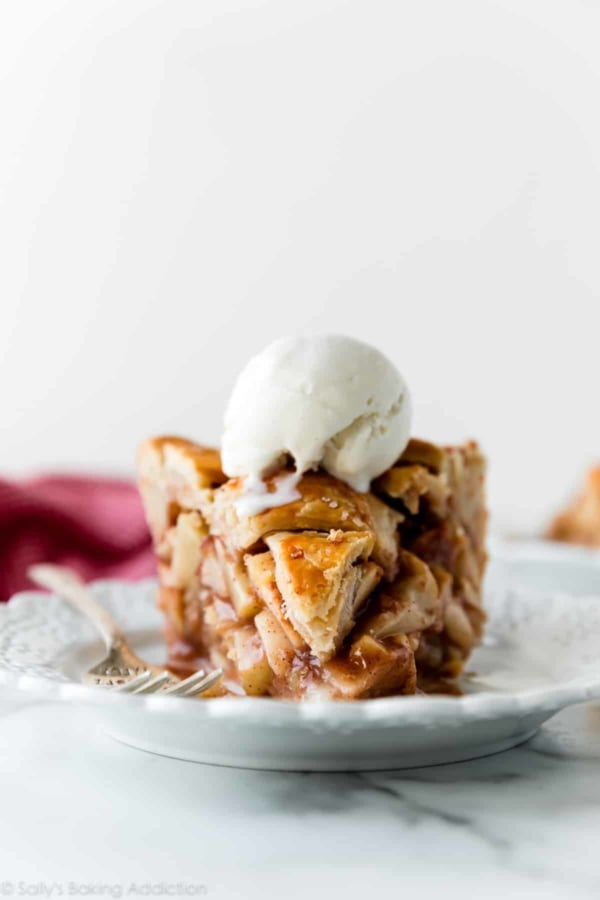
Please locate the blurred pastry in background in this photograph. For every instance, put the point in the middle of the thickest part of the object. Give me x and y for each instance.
(579, 523)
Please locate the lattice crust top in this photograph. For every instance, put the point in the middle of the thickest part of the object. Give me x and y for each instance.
(338, 593)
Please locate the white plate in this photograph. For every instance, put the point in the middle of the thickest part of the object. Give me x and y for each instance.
(541, 653)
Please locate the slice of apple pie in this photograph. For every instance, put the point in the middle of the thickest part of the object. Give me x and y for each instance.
(334, 594)
(579, 522)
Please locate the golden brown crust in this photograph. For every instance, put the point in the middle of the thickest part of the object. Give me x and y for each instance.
(409, 483)
(175, 474)
(319, 578)
(194, 465)
(424, 454)
(579, 523)
(324, 503)
(337, 594)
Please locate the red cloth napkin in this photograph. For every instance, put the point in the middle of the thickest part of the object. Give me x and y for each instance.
(95, 525)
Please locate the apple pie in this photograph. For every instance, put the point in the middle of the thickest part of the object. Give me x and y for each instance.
(335, 594)
(579, 523)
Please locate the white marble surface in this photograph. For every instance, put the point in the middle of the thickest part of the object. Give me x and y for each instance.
(86, 815)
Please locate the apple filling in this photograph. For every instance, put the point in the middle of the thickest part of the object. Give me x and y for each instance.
(336, 594)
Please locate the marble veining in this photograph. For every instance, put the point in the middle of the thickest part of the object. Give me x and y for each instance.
(78, 806)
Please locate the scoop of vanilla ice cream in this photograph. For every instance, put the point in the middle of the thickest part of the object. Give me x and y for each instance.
(328, 401)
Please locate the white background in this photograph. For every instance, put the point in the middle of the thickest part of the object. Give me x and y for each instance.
(180, 182)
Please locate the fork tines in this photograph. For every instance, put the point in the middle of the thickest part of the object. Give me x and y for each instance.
(188, 687)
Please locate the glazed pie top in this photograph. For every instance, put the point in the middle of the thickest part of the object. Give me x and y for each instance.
(338, 591)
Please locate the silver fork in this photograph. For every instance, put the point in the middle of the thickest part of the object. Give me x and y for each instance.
(121, 668)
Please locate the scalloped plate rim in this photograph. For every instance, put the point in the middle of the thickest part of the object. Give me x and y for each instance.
(325, 713)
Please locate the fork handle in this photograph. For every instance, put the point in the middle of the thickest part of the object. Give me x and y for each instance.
(68, 584)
